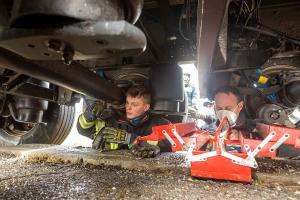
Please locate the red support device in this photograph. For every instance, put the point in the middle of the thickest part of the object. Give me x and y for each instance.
(217, 160)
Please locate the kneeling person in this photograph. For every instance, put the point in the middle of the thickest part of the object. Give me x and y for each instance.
(121, 132)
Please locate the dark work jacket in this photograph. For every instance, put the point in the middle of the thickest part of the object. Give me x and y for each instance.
(243, 123)
(141, 130)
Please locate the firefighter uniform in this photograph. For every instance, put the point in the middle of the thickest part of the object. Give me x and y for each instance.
(140, 128)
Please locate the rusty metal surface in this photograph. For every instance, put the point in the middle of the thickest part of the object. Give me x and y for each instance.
(97, 40)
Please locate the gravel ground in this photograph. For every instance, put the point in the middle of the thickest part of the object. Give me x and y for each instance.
(278, 166)
(23, 180)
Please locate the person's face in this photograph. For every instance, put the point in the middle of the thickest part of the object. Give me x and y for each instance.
(229, 102)
(186, 79)
(135, 106)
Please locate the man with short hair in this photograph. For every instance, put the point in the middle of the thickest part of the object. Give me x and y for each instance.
(190, 90)
(120, 132)
(228, 102)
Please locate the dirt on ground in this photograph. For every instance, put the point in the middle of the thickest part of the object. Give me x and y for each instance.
(43, 178)
(278, 166)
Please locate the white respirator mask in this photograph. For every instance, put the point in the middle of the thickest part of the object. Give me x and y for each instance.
(231, 116)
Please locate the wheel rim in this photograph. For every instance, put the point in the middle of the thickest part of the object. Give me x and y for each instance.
(18, 129)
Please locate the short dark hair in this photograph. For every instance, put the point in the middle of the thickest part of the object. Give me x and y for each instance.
(139, 91)
(229, 89)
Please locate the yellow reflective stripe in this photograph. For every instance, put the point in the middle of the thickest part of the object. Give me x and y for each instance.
(102, 125)
(152, 142)
(85, 124)
(113, 146)
(97, 127)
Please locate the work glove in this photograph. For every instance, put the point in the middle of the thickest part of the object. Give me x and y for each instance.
(99, 143)
(108, 135)
(144, 150)
(116, 135)
(93, 111)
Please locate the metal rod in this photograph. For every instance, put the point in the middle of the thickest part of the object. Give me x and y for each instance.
(74, 77)
(33, 91)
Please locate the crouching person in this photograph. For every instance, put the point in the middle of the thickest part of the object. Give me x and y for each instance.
(121, 132)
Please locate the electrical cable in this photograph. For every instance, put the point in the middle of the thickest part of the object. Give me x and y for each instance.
(252, 85)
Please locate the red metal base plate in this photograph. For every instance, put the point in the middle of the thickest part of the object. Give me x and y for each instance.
(222, 168)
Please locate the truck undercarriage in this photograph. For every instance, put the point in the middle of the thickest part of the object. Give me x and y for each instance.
(51, 52)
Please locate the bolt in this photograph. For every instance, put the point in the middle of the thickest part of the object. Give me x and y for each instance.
(68, 54)
(275, 115)
(55, 45)
(62, 48)
(273, 133)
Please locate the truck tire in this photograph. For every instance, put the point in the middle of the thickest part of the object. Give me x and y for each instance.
(59, 119)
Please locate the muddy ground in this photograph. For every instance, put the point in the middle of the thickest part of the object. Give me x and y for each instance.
(40, 177)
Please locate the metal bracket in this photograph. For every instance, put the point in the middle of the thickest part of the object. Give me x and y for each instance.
(279, 142)
(190, 150)
(249, 158)
(262, 144)
(169, 138)
(178, 137)
(86, 40)
(202, 157)
(238, 160)
(249, 161)
(64, 95)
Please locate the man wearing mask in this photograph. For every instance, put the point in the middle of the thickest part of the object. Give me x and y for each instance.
(228, 102)
(120, 132)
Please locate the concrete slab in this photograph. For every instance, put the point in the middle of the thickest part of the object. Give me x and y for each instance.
(167, 162)
(88, 156)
